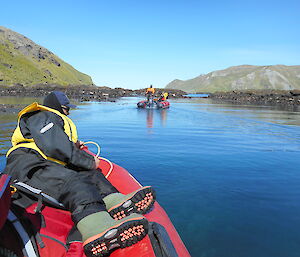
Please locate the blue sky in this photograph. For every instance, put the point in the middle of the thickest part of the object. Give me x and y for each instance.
(132, 44)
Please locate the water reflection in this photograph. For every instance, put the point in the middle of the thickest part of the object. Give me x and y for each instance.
(8, 119)
(7, 126)
(273, 114)
(150, 118)
(163, 116)
(152, 115)
(19, 100)
(283, 115)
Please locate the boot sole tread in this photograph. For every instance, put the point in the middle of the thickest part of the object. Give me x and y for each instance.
(128, 233)
(141, 203)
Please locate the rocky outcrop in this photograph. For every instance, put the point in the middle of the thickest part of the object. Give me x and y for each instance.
(80, 93)
(76, 92)
(271, 97)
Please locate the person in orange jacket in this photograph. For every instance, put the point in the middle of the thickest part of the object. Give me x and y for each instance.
(150, 92)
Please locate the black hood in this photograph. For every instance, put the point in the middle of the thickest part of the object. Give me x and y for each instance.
(51, 101)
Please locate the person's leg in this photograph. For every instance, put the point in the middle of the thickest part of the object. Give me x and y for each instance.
(75, 191)
(120, 205)
(113, 234)
(83, 192)
(140, 201)
(100, 233)
(104, 187)
(82, 198)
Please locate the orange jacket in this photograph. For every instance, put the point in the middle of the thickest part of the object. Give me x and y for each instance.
(150, 90)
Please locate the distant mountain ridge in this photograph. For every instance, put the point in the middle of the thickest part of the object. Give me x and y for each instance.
(24, 62)
(243, 77)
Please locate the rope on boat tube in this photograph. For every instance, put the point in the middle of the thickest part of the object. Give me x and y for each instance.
(6, 253)
(101, 158)
(94, 143)
(111, 166)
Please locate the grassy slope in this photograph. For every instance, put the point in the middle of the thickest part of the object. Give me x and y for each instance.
(292, 74)
(214, 83)
(30, 71)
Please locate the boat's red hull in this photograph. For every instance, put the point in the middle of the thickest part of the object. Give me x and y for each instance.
(58, 224)
(125, 183)
(154, 104)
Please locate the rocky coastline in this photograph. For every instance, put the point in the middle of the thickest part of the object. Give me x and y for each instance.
(270, 97)
(288, 99)
(78, 93)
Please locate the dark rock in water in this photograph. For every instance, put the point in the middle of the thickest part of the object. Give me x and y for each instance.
(83, 93)
(79, 93)
(271, 97)
(295, 93)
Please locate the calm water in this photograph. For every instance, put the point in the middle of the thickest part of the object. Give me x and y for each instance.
(197, 95)
(228, 175)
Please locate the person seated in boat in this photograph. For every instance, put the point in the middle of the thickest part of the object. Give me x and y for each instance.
(46, 154)
(163, 97)
(150, 92)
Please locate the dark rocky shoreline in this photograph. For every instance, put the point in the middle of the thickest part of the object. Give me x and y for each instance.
(289, 99)
(78, 93)
(279, 98)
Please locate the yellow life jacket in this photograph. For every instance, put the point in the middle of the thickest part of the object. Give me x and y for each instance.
(18, 140)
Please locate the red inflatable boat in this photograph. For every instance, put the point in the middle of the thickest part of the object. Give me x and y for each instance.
(153, 104)
(32, 233)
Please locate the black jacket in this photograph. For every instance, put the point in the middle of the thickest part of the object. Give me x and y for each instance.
(54, 142)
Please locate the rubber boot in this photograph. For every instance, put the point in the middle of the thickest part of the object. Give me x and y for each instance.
(101, 234)
(140, 201)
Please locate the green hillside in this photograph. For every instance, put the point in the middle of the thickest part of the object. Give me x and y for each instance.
(244, 77)
(24, 62)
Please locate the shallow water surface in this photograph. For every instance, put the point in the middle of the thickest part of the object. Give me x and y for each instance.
(227, 175)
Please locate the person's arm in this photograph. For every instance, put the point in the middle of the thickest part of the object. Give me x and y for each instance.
(47, 130)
